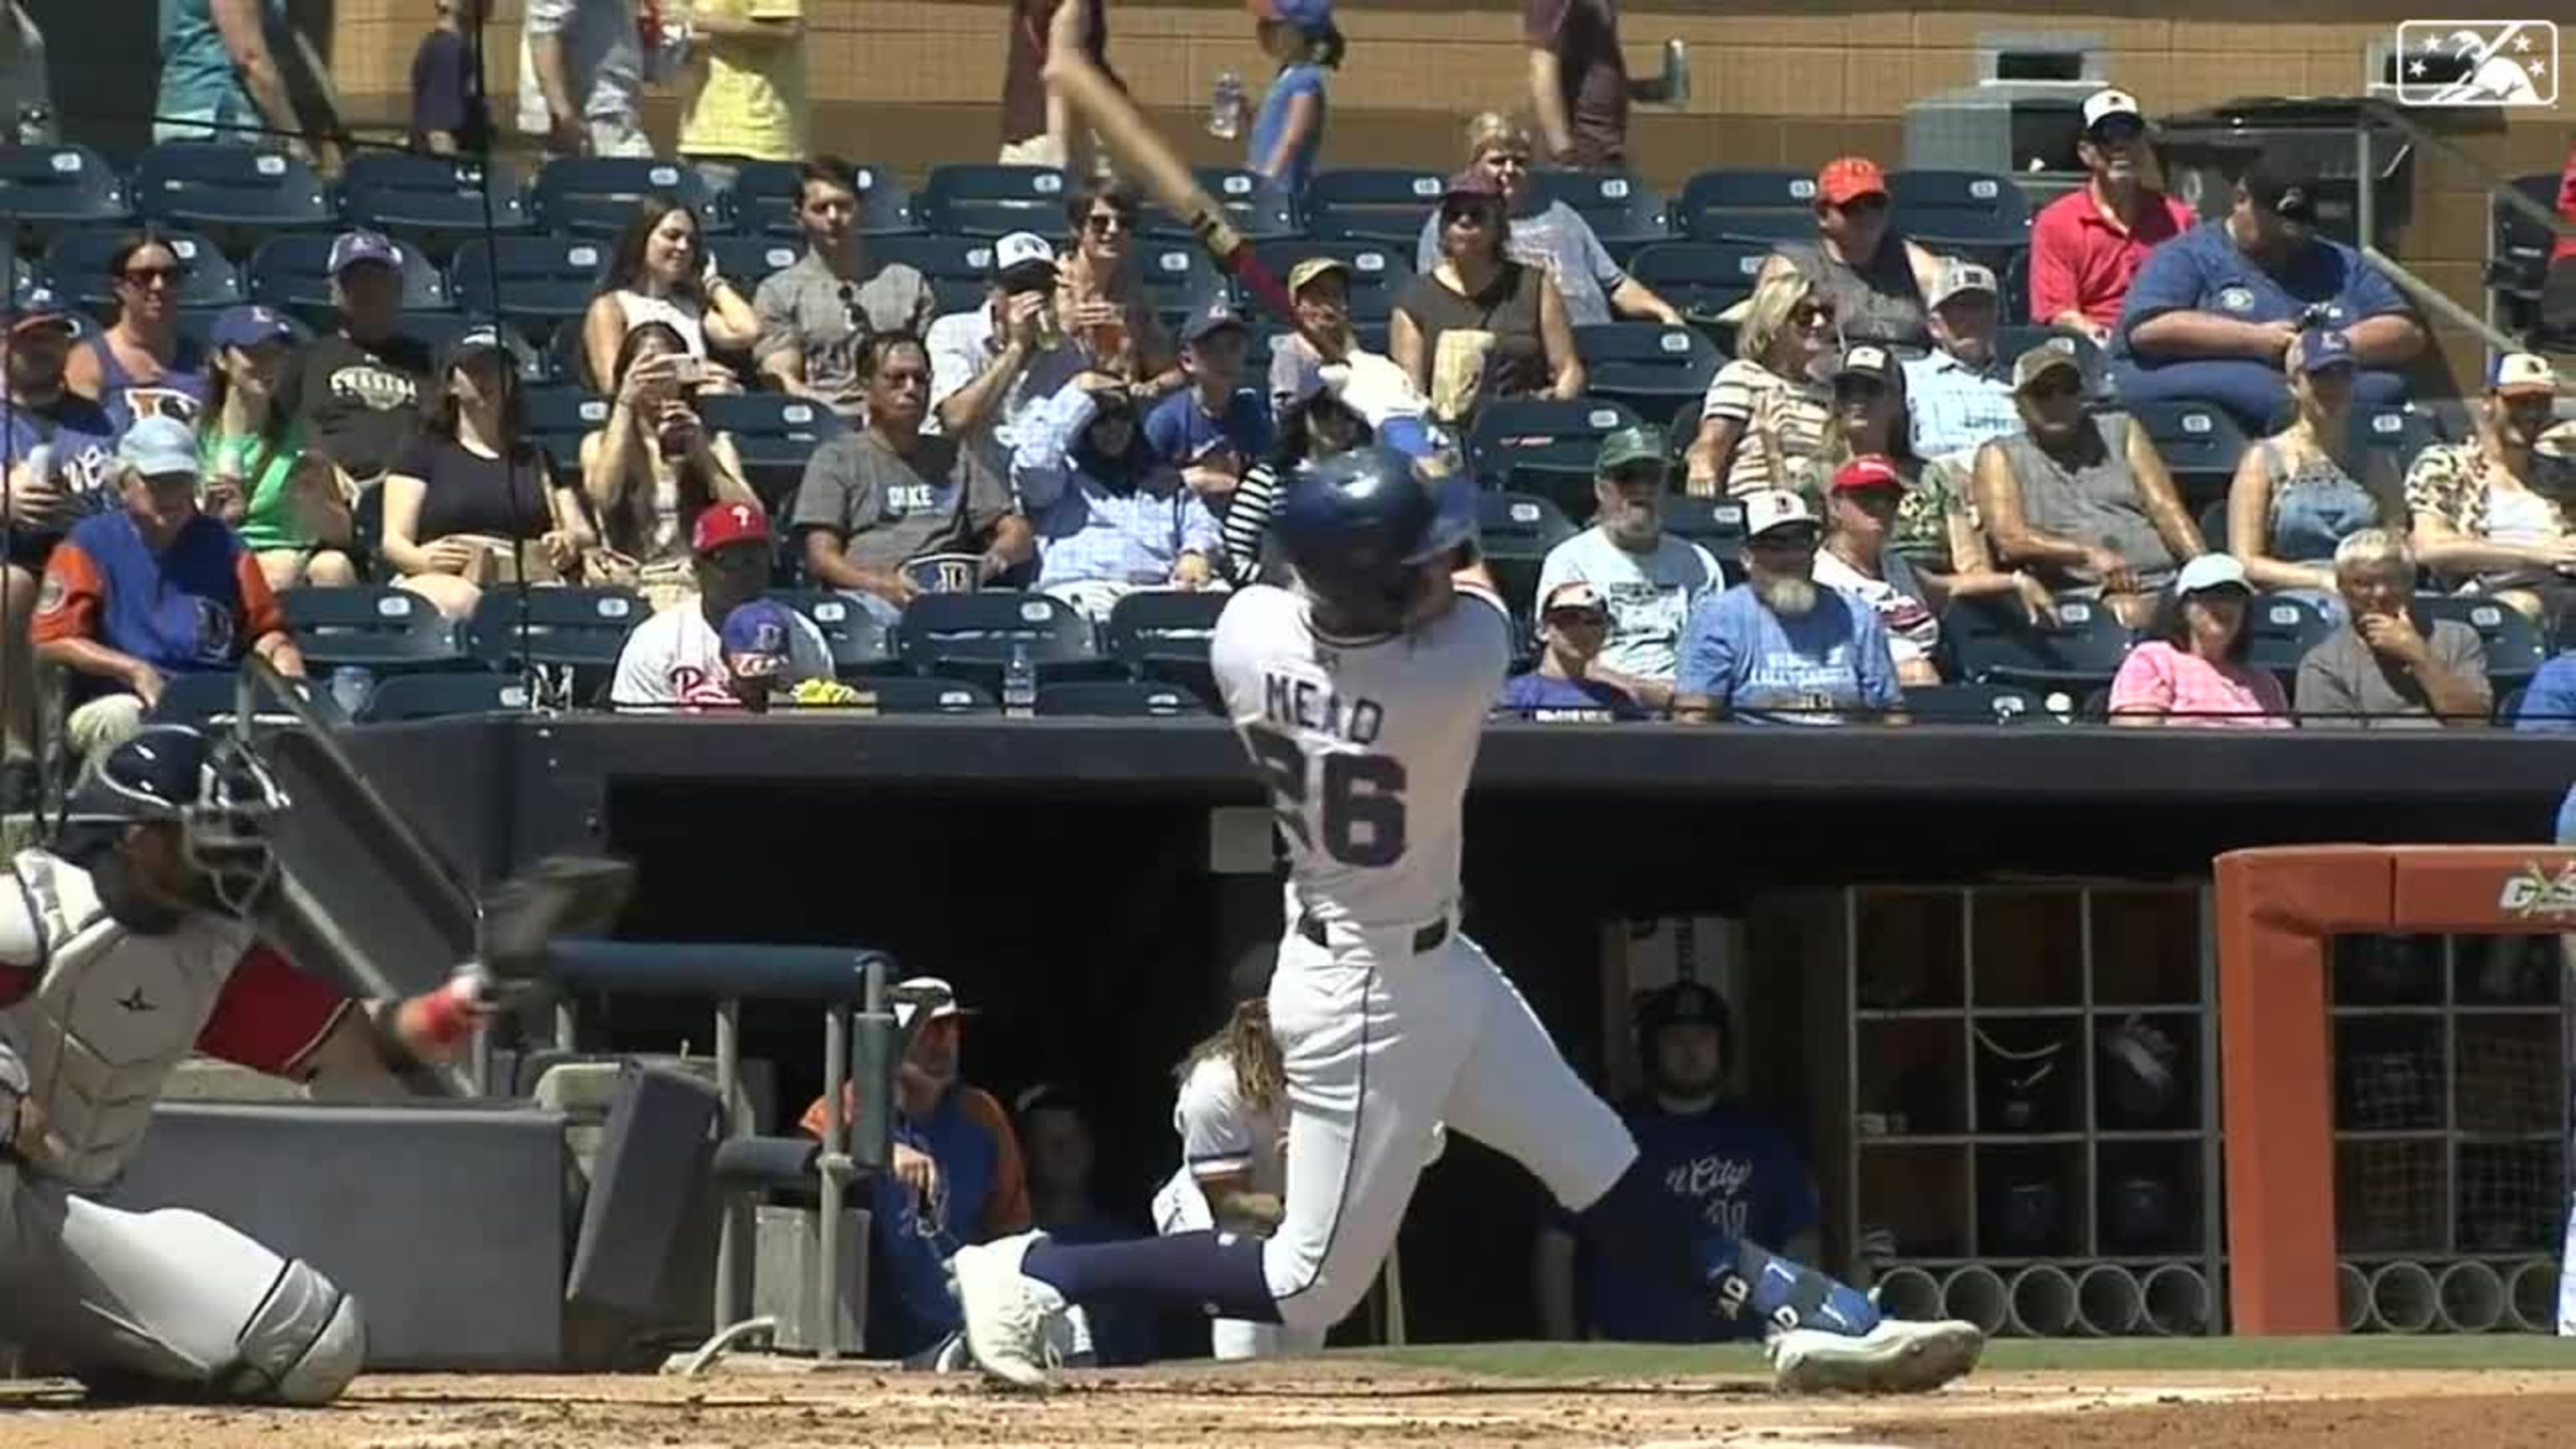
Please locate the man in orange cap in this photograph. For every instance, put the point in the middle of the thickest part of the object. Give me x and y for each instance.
(1875, 277)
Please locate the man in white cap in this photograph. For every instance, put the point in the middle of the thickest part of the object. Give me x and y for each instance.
(2086, 246)
(1570, 685)
(1960, 395)
(990, 365)
(2493, 515)
(1781, 647)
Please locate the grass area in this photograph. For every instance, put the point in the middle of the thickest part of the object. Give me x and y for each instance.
(2064, 1355)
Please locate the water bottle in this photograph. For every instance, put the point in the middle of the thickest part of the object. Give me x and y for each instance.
(35, 124)
(1225, 109)
(351, 688)
(1676, 73)
(1019, 683)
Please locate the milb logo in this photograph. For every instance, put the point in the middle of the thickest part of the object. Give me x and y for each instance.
(2535, 894)
(2477, 63)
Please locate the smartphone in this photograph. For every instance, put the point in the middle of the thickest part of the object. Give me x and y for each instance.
(689, 370)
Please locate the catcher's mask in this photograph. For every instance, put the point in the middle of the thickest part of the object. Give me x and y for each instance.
(219, 794)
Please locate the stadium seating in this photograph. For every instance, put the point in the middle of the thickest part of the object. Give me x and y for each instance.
(958, 268)
(2519, 254)
(211, 700)
(773, 434)
(747, 259)
(1378, 270)
(211, 185)
(292, 274)
(2199, 442)
(1515, 532)
(1386, 205)
(1119, 698)
(580, 628)
(859, 644)
(977, 636)
(2281, 630)
(435, 696)
(1623, 212)
(1715, 524)
(47, 187)
(433, 201)
(896, 694)
(1646, 366)
(1178, 279)
(1972, 704)
(1746, 205)
(1161, 636)
(76, 263)
(1544, 446)
(991, 201)
(368, 626)
(2512, 640)
(2401, 432)
(557, 417)
(1254, 204)
(1702, 278)
(596, 195)
(532, 281)
(1971, 213)
(1995, 642)
(765, 194)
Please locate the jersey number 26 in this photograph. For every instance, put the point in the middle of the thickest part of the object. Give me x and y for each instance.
(1349, 805)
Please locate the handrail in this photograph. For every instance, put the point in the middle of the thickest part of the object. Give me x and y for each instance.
(2438, 300)
(2373, 113)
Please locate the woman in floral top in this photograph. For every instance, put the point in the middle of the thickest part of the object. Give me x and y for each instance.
(2497, 516)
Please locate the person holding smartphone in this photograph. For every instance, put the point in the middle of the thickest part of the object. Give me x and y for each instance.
(655, 465)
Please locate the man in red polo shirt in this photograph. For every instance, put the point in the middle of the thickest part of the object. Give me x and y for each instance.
(2086, 246)
(2558, 291)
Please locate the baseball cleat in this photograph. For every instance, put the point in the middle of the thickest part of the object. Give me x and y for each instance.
(1896, 1357)
(1009, 1315)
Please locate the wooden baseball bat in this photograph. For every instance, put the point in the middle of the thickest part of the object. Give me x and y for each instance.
(1144, 154)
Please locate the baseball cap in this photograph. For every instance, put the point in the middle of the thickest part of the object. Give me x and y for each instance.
(1575, 594)
(946, 1007)
(2103, 105)
(728, 523)
(2323, 349)
(1766, 509)
(158, 446)
(1311, 268)
(354, 247)
(1022, 250)
(1846, 179)
(1680, 1003)
(2212, 571)
(2291, 198)
(2043, 359)
(754, 639)
(1306, 15)
(2522, 372)
(249, 326)
(1869, 360)
(1214, 320)
(1869, 470)
(1643, 443)
(1472, 184)
(43, 307)
(1960, 275)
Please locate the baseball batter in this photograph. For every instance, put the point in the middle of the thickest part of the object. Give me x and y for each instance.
(122, 950)
(1360, 696)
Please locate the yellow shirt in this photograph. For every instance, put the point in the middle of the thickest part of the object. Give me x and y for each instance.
(751, 101)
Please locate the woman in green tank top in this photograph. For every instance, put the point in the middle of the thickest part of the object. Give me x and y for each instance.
(289, 503)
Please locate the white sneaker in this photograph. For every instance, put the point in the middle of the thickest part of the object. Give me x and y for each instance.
(1897, 1357)
(1008, 1314)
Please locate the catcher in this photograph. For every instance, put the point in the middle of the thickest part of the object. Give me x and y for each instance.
(124, 948)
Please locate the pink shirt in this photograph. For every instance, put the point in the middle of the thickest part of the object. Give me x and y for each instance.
(2084, 260)
(2158, 678)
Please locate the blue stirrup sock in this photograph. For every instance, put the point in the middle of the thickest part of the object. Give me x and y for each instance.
(1219, 1273)
(1653, 1232)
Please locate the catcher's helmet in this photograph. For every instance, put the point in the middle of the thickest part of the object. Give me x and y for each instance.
(219, 794)
(1358, 527)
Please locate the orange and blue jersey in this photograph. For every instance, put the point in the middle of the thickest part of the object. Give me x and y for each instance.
(194, 607)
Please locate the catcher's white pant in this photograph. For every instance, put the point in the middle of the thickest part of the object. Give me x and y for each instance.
(172, 1296)
(1181, 1208)
(2567, 1280)
(1382, 1045)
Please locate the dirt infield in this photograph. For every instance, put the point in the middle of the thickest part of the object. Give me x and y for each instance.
(1336, 1403)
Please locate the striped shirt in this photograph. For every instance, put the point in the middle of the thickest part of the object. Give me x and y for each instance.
(1798, 415)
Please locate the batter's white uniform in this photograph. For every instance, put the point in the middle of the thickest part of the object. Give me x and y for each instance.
(1391, 1022)
(1221, 1135)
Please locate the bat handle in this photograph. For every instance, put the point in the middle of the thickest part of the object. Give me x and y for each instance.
(1263, 284)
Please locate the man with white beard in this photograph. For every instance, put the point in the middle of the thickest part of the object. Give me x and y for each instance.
(1780, 647)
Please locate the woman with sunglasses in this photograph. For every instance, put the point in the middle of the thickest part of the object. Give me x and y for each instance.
(140, 366)
(2191, 670)
(655, 466)
(1767, 416)
(1099, 301)
(1548, 233)
(660, 272)
(1478, 289)
(289, 503)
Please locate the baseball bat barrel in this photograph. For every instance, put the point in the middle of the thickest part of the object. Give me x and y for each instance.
(1154, 164)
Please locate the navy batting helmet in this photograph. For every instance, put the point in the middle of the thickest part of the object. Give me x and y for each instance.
(220, 795)
(1359, 526)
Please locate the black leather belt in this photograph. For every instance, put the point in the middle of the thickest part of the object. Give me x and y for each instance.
(1426, 939)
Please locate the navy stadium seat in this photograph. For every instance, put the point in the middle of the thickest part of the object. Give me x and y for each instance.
(859, 644)
(533, 281)
(292, 274)
(958, 268)
(1972, 213)
(1162, 635)
(1515, 531)
(2512, 640)
(1733, 202)
(549, 624)
(747, 259)
(989, 201)
(897, 694)
(1623, 212)
(773, 434)
(2400, 430)
(210, 700)
(766, 194)
(1383, 204)
(1647, 366)
(1254, 204)
(557, 417)
(1178, 279)
(431, 199)
(2199, 442)
(1995, 642)
(1702, 278)
(53, 186)
(1971, 704)
(369, 626)
(976, 636)
(2281, 630)
(435, 696)
(1119, 698)
(210, 184)
(76, 263)
(596, 195)
(1544, 446)
(2520, 259)
(1378, 271)
(1715, 524)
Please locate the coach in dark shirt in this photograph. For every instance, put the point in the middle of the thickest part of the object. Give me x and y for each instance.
(359, 389)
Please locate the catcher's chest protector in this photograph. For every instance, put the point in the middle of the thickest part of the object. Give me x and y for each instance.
(111, 1015)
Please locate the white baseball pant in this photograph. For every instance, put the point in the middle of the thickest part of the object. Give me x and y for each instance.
(1181, 1208)
(1382, 1045)
(2567, 1279)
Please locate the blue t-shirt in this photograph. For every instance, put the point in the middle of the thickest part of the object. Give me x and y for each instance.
(1181, 432)
(2202, 271)
(84, 443)
(1742, 1179)
(1757, 665)
(1553, 699)
(1301, 79)
(914, 1240)
(2549, 704)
